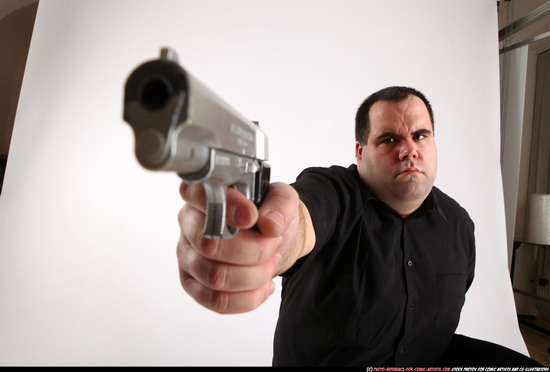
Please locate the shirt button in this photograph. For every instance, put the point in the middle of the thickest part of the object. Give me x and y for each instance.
(409, 263)
(402, 351)
(411, 308)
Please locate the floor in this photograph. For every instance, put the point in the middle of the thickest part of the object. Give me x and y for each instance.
(538, 344)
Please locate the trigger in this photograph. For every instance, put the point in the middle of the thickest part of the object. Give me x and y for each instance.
(214, 225)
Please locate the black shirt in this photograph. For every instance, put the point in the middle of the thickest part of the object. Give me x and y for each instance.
(377, 289)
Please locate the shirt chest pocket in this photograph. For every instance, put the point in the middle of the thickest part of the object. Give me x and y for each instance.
(451, 292)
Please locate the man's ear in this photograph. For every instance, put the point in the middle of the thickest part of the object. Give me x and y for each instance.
(358, 151)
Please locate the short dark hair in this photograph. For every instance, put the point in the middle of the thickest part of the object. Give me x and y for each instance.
(392, 94)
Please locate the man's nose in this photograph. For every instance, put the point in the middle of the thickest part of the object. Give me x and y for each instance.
(408, 150)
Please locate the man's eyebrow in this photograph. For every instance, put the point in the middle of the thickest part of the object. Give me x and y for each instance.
(422, 131)
(386, 135)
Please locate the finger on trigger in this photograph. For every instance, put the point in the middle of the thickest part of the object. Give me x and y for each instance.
(194, 195)
(241, 212)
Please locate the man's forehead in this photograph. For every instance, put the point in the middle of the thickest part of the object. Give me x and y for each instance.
(410, 114)
(412, 105)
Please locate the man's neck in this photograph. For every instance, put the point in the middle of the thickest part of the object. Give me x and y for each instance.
(406, 209)
(403, 207)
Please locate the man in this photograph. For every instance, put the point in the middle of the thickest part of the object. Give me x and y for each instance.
(375, 260)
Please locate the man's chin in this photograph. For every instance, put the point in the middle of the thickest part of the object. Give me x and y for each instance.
(414, 190)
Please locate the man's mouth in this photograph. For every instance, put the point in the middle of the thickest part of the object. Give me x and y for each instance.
(409, 171)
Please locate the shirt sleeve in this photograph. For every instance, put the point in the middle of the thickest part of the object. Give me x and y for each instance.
(318, 193)
(471, 255)
(332, 196)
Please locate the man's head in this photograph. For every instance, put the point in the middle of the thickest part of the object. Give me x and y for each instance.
(395, 148)
(392, 94)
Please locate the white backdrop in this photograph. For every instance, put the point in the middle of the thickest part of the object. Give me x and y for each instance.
(88, 272)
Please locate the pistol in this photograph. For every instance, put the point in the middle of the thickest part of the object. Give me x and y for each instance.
(180, 125)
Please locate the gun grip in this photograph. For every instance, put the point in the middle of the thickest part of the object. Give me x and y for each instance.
(214, 225)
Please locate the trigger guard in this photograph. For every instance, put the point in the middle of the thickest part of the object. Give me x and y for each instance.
(214, 224)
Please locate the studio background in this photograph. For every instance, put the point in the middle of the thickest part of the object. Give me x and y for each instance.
(88, 273)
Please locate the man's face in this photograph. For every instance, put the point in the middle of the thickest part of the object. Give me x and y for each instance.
(399, 162)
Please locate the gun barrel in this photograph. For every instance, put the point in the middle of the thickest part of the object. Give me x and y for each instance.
(155, 93)
(177, 120)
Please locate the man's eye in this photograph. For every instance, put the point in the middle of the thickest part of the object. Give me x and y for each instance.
(388, 140)
(420, 137)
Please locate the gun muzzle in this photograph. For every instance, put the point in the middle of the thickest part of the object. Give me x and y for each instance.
(155, 102)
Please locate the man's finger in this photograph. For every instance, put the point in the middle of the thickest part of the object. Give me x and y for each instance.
(224, 302)
(194, 195)
(240, 212)
(221, 276)
(279, 208)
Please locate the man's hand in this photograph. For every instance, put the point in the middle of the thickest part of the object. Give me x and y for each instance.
(235, 275)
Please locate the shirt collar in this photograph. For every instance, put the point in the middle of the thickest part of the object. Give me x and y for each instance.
(437, 204)
(431, 203)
